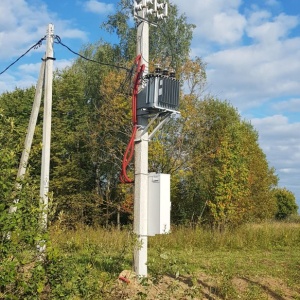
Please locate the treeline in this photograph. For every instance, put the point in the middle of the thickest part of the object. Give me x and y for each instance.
(220, 175)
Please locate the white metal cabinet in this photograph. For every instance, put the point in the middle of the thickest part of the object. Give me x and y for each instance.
(159, 204)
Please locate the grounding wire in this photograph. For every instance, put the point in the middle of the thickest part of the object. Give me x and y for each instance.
(35, 46)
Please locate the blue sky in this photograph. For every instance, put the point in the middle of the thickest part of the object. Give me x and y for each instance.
(251, 47)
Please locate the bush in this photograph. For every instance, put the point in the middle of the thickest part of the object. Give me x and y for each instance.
(286, 204)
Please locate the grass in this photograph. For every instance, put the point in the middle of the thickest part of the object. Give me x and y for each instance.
(255, 261)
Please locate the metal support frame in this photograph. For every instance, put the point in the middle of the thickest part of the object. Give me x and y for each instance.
(165, 117)
(164, 120)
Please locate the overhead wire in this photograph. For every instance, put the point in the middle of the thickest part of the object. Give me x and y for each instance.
(58, 39)
(35, 46)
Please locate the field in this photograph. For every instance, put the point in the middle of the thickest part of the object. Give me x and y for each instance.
(256, 261)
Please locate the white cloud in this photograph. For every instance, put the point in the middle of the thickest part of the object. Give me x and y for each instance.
(63, 63)
(227, 28)
(269, 31)
(10, 82)
(22, 25)
(247, 75)
(98, 7)
(291, 105)
(280, 141)
(26, 75)
(272, 3)
(6, 83)
(30, 68)
(217, 21)
(250, 75)
(278, 126)
(34, 69)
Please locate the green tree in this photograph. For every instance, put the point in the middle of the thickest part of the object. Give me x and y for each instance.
(72, 172)
(261, 179)
(219, 173)
(169, 41)
(8, 171)
(286, 203)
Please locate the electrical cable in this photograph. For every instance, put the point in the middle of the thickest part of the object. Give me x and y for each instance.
(58, 39)
(35, 46)
(130, 147)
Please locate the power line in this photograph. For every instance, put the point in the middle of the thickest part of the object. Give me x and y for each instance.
(35, 46)
(58, 39)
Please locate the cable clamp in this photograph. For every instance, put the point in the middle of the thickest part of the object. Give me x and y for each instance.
(51, 58)
(141, 140)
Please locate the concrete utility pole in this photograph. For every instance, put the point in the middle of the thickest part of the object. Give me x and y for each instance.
(30, 132)
(44, 189)
(143, 8)
(141, 163)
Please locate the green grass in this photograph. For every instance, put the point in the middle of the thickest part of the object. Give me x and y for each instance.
(255, 261)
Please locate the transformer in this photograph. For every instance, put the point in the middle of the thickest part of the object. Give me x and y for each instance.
(160, 94)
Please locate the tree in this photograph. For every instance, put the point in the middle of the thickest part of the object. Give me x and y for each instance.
(8, 170)
(286, 203)
(220, 176)
(261, 179)
(72, 177)
(168, 43)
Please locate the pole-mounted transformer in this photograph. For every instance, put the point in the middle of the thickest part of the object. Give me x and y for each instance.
(161, 93)
(156, 100)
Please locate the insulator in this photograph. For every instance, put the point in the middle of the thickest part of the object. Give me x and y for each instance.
(157, 69)
(172, 74)
(165, 72)
(166, 10)
(155, 6)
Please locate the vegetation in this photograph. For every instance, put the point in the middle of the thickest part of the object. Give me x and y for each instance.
(220, 175)
(249, 262)
(221, 181)
(286, 204)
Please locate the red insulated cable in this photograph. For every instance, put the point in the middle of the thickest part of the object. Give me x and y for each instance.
(130, 147)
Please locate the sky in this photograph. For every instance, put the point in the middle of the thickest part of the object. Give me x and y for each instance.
(251, 49)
